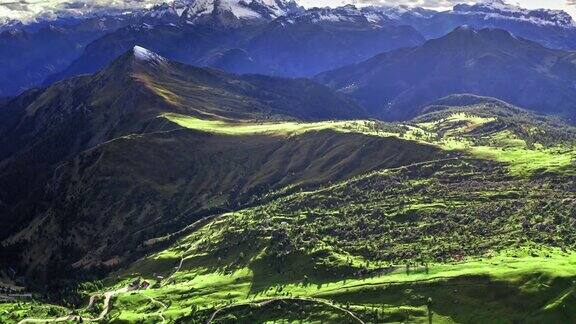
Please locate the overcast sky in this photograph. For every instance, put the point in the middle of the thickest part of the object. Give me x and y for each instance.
(28, 9)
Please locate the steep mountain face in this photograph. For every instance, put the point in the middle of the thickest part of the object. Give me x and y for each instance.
(400, 13)
(68, 156)
(234, 13)
(552, 28)
(488, 62)
(140, 85)
(217, 13)
(499, 9)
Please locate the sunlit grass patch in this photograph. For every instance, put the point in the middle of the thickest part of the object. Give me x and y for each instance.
(458, 123)
(282, 128)
(524, 162)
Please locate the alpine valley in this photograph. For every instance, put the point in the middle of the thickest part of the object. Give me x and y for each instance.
(255, 161)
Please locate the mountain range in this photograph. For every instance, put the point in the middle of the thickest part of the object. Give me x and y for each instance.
(29, 56)
(283, 47)
(551, 28)
(270, 37)
(252, 161)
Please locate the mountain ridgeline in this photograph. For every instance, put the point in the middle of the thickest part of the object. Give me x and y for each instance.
(97, 141)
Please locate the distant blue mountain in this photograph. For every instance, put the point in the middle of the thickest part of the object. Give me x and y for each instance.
(29, 54)
(487, 62)
(298, 44)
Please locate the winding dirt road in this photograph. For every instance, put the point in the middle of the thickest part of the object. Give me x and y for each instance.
(266, 302)
(107, 297)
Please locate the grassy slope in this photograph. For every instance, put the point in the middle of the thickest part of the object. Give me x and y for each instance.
(433, 239)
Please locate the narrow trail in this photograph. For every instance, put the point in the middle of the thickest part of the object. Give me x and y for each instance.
(178, 267)
(107, 297)
(160, 313)
(269, 301)
(66, 318)
(91, 302)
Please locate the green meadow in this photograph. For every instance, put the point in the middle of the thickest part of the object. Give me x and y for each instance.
(485, 235)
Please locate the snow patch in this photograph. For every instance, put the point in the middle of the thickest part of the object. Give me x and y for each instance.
(239, 10)
(348, 14)
(234, 12)
(142, 54)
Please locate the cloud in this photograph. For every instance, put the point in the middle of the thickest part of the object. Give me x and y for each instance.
(16, 5)
(32, 10)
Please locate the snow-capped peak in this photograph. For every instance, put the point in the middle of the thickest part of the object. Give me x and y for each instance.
(231, 13)
(142, 54)
(359, 16)
(500, 9)
(348, 15)
(396, 12)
